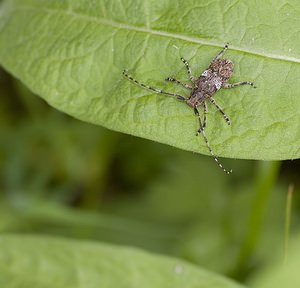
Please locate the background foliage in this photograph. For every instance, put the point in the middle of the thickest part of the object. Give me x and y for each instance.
(65, 178)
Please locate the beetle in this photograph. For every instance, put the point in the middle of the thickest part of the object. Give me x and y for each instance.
(203, 88)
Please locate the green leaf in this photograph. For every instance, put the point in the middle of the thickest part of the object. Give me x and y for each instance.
(72, 53)
(49, 262)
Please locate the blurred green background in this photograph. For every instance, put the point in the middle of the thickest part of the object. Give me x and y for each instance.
(60, 176)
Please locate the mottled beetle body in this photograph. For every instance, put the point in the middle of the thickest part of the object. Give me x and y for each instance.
(210, 81)
(203, 88)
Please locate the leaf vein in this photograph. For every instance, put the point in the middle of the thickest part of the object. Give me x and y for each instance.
(123, 26)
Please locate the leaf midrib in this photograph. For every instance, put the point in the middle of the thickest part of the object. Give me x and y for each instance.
(123, 26)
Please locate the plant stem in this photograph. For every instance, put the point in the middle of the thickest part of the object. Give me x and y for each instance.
(266, 176)
(288, 212)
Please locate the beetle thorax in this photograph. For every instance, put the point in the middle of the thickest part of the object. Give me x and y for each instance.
(195, 98)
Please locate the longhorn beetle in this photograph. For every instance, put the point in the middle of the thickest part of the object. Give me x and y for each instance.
(203, 88)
